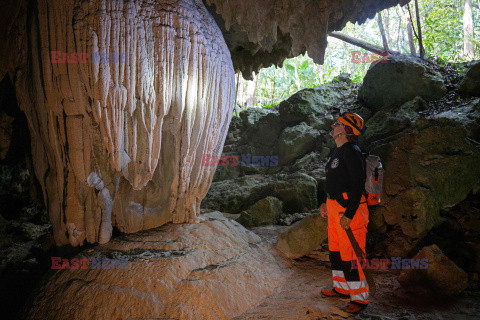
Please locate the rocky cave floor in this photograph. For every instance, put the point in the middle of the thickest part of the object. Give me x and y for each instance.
(300, 297)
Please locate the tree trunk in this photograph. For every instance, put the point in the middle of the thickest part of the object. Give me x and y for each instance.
(255, 83)
(321, 73)
(382, 31)
(386, 26)
(411, 42)
(250, 91)
(297, 78)
(468, 45)
(419, 27)
(400, 29)
(236, 93)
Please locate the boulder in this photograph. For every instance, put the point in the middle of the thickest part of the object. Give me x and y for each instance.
(261, 138)
(470, 84)
(297, 191)
(311, 159)
(296, 141)
(391, 84)
(265, 212)
(442, 276)
(236, 195)
(311, 103)
(397, 244)
(386, 123)
(430, 166)
(303, 237)
(468, 116)
(215, 269)
(251, 116)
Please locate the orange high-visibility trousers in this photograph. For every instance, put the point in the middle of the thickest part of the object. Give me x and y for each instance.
(347, 280)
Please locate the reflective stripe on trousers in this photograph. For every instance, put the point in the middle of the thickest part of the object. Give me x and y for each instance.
(347, 280)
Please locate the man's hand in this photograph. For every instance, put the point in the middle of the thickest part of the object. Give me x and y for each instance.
(323, 210)
(345, 222)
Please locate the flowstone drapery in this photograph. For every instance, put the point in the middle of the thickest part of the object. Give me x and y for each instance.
(122, 99)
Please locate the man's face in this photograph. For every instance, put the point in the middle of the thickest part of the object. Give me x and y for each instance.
(337, 128)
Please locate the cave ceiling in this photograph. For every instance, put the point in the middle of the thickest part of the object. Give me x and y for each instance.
(258, 33)
(262, 33)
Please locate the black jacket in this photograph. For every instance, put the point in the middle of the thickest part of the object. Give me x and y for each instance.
(345, 173)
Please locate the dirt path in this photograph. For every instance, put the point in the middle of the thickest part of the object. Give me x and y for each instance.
(300, 298)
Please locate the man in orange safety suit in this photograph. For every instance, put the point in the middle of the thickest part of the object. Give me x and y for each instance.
(345, 206)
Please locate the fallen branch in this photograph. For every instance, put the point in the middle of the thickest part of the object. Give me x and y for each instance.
(360, 43)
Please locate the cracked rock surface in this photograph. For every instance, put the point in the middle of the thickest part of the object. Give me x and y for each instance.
(215, 269)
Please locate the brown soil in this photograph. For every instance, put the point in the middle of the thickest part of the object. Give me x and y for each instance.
(300, 298)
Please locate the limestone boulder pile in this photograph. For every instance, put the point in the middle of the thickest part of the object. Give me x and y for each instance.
(428, 167)
(297, 191)
(215, 269)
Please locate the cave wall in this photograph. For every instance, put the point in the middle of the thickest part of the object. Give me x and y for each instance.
(120, 143)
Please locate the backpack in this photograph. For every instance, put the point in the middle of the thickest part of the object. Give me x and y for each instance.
(374, 180)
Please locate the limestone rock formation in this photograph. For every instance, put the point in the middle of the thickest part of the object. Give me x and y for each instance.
(118, 140)
(262, 33)
(470, 84)
(386, 123)
(212, 270)
(312, 103)
(297, 191)
(403, 80)
(296, 141)
(442, 276)
(468, 115)
(265, 212)
(303, 237)
(428, 167)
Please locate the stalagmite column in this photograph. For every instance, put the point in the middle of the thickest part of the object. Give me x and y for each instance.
(122, 99)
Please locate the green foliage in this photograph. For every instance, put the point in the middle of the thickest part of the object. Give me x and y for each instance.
(442, 28)
(268, 105)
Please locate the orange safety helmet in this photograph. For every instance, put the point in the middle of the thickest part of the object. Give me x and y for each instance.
(354, 121)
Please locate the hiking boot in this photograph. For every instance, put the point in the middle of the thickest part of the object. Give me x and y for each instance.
(355, 307)
(333, 293)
